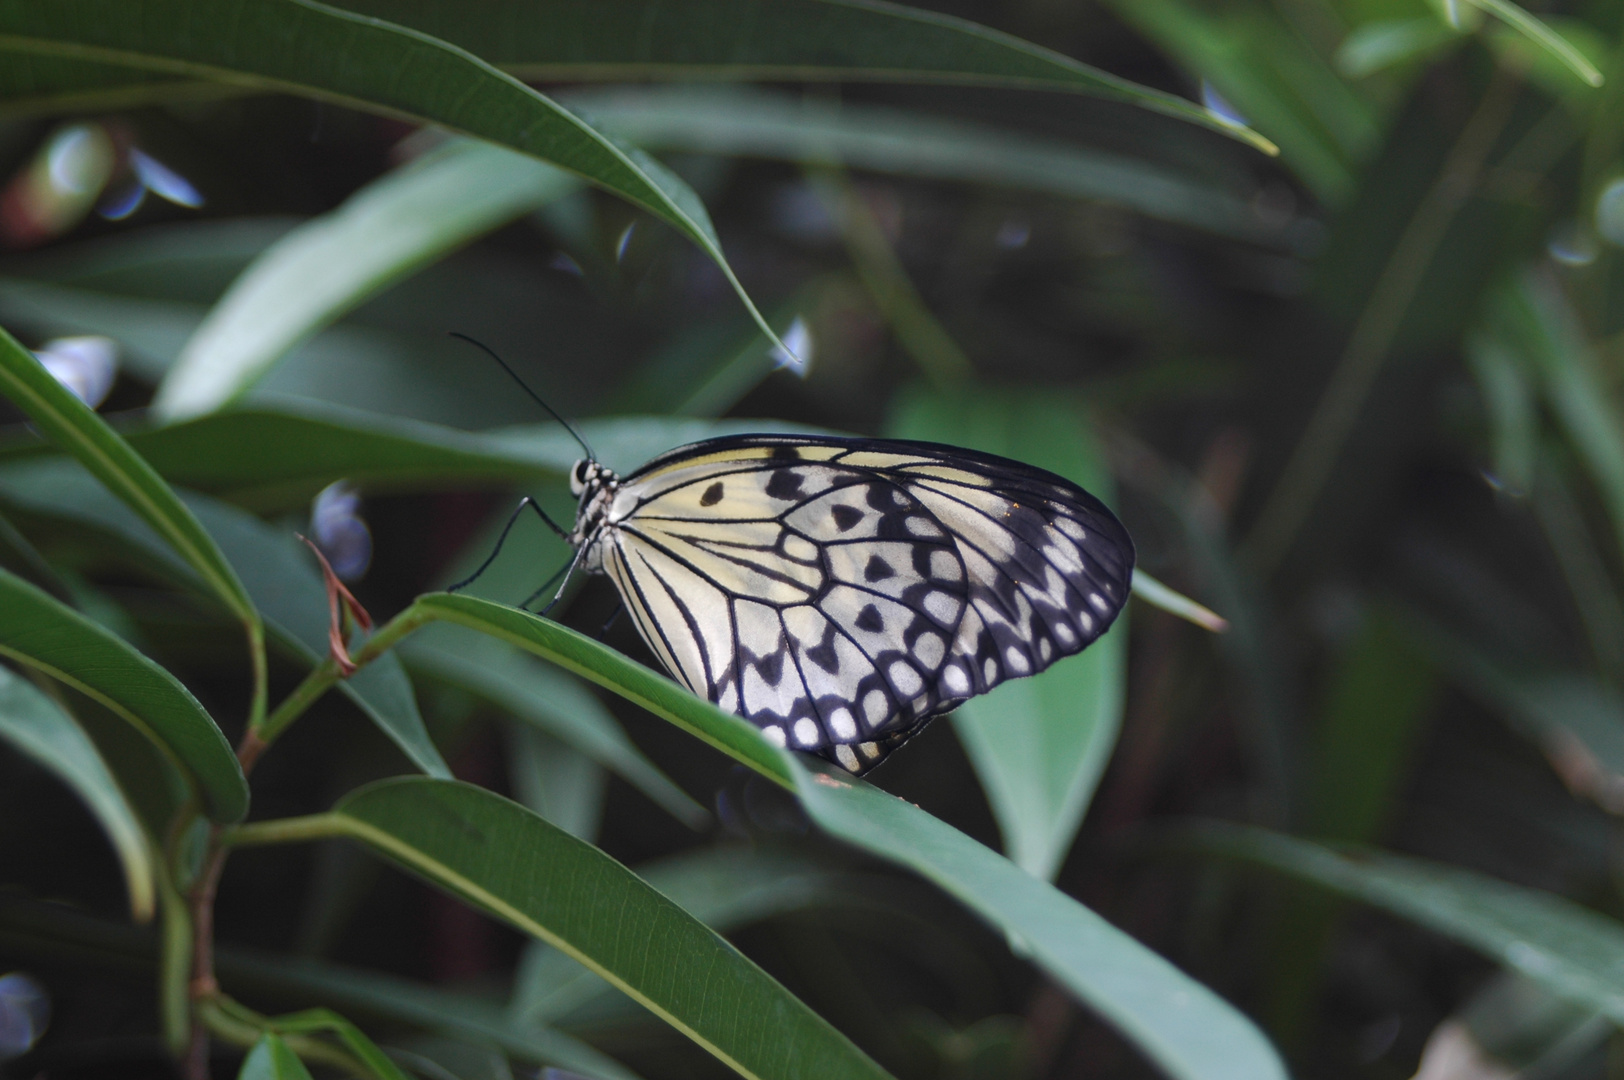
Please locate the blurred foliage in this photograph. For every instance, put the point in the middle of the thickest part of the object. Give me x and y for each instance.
(1364, 398)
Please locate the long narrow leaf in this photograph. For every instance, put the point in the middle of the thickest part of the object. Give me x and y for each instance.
(39, 631)
(756, 123)
(1576, 953)
(560, 41)
(332, 263)
(37, 726)
(1179, 1023)
(509, 861)
(305, 47)
(277, 572)
(126, 474)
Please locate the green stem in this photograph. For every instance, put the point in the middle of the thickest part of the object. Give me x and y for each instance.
(283, 831)
(243, 1027)
(918, 331)
(174, 966)
(1338, 410)
(261, 674)
(319, 681)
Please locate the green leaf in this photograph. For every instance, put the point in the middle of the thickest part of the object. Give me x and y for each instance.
(304, 47)
(278, 574)
(1386, 43)
(634, 40)
(282, 455)
(47, 635)
(1512, 408)
(552, 702)
(1576, 953)
(724, 888)
(509, 861)
(329, 265)
(758, 123)
(1038, 745)
(326, 1021)
(82, 433)
(271, 1059)
(1264, 68)
(781, 40)
(1543, 36)
(1179, 1023)
(40, 728)
(34, 927)
(1535, 318)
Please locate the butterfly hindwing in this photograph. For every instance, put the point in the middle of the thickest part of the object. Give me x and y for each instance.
(839, 592)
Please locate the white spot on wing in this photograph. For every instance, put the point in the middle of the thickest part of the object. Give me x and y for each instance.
(930, 649)
(876, 708)
(842, 724)
(956, 680)
(1016, 660)
(774, 733)
(806, 732)
(905, 678)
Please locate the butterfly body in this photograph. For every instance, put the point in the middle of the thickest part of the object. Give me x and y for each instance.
(841, 592)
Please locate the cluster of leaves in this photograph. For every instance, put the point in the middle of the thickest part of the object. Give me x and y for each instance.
(1301, 369)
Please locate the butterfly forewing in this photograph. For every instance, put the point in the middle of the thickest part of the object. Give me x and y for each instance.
(839, 592)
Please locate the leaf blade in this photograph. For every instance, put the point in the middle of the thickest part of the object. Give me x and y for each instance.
(1148, 998)
(43, 633)
(41, 729)
(511, 862)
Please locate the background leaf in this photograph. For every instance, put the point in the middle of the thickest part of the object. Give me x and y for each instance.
(43, 633)
(43, 730)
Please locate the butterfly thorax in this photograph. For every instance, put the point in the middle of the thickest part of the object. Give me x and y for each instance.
(595, 486)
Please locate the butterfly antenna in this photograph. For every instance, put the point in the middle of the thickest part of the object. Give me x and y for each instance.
(523, 386)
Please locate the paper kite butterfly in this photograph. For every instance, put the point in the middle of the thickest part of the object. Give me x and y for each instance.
(840, 592)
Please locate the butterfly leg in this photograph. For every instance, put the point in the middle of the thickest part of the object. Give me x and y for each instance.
(527, 501)
(562, 585)
(614, 617)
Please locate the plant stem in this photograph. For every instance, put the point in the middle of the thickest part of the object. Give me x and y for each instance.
(203, 985)
(1338, 409)
(326, 673)
(203, 991)
(243, 1027)
(281, 831)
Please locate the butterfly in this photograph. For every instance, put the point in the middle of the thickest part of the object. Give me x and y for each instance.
(841, 592)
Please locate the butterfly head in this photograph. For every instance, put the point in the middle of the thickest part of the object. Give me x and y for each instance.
(594, 485)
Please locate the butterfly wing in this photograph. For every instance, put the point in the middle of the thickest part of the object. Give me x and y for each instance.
(839, 592)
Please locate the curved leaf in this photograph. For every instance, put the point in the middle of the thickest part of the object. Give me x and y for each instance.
(43, 633)
(282, 455)
(304, 47)
(1576, 953)
(782, 40)
(109, 458)
(554, 703)
(37, 726)
(559, 41)
(757, 123)
(1183, 1026)
(723, 887)
(328, 265)
(511, 862)
(271, 1059)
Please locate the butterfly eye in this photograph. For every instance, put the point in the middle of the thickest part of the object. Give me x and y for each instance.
(578, 476)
